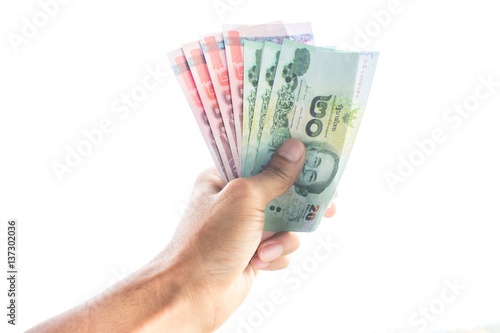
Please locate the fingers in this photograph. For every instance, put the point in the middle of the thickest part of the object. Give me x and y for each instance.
(209, 182)
(280, 263)
(266, 235)
(282, 243)
(271, 253)
(281, 171)
(331, 210)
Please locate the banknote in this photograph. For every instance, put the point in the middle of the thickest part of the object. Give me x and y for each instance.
(311, 100)
(234, 37)
(364, 79)
(252, 56)
(201, 76)
(268, 64)
(215, 56)
(270, 56)
(182, 72)
(276, 92)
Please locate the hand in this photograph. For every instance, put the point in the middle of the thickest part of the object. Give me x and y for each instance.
(222, 229)
(206, 271)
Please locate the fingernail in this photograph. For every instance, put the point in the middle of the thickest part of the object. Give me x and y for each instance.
(292, 150)
(271, 252)
(259, 264)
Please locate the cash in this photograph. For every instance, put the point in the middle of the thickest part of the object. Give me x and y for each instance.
(214, 52)
(268, 65)
(203, 81)
(185, 79)
(235, 37)
(253, 87)
(252, 58)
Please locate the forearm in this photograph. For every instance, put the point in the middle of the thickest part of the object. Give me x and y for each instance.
(205, 273)
(154, 299)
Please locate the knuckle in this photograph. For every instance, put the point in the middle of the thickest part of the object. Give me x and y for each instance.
(205, 175)
(239, 188)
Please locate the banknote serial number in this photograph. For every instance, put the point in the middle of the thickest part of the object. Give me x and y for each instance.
(361, 78)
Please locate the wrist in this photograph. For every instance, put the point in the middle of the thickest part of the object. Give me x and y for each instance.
(182, 295)
(158, 297)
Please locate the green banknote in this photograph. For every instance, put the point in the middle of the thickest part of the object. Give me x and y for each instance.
(364, 78)
(317, 95)
(313, 99)
(251, 67)
(268, 64)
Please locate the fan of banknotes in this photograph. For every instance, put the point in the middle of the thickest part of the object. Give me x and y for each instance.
(252, 87)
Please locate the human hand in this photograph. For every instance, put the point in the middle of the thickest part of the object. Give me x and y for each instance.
(206, 271)
(220, 236)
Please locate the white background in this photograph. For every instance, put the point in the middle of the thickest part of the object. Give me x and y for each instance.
(120, 206)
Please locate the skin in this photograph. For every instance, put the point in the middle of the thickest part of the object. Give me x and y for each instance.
(207, 269)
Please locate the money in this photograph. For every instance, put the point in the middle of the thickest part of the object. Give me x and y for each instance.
(364, 79)
(214, 51)
(234, 38)
(253, 54)
(311, 100)
(253, 87)
(182, 72)
(268, 64)
(201, 76)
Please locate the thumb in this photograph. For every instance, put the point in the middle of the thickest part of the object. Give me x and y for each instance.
(281, 171)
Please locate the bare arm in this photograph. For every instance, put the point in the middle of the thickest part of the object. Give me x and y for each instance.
(206, 271)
